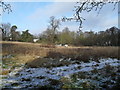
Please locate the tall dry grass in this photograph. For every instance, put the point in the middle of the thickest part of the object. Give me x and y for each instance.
(50, 51)
(85, 54)
(25, 48)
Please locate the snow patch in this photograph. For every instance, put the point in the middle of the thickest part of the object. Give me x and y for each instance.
(41, 76)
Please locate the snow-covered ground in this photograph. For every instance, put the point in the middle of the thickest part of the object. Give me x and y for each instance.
(35, 77)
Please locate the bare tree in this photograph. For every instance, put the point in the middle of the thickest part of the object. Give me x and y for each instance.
(54, 23)
(52, 28)
(5, 27)
(87, 7)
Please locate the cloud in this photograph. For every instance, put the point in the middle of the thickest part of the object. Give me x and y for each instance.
(73, 26)
(40, 16)
(106, 19)
(54, 9)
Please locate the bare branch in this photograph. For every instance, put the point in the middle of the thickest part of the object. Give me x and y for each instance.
(86, 7)
(5, 7)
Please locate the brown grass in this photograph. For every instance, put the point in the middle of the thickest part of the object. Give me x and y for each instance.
(27, 52)
(85, 54)
(5, 72)
(23, 48)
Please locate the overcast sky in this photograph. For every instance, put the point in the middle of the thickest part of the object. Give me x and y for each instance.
(34, 16)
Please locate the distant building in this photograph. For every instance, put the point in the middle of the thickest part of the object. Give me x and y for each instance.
(35, 40)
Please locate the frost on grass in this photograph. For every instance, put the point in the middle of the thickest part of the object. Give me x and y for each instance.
(102, 74)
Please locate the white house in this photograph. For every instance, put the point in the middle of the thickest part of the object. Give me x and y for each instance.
(35, 40)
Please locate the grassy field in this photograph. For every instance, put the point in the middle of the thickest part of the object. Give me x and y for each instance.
(91, 64)
(34, 53)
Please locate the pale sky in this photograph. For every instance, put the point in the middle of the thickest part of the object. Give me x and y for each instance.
(34, 16)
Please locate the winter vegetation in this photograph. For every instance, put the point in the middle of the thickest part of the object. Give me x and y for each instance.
(58, 58)
(109, 37)
(103, 74)
(34, 65)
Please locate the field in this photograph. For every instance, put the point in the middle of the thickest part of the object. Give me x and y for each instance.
(59, 67)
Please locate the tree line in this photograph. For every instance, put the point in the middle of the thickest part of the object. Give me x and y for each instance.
(109, 37)
(9, 33)
(52, 35)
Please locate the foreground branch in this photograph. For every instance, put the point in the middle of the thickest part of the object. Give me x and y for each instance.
(5, 7)
(86, 7)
